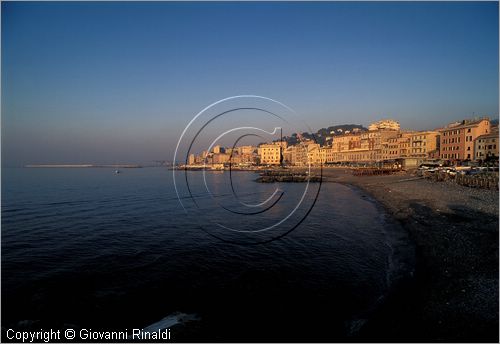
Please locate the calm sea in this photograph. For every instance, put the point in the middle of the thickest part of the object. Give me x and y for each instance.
(88, 248)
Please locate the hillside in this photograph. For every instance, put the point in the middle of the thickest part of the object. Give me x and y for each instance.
(321, 135)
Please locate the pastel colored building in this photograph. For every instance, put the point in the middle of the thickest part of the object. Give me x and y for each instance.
(397, 146)
(423, 143)
(486, 146)
(457, 139)
(385, 124)
(270, 153)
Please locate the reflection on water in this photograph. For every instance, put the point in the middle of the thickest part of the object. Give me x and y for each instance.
(89, 248)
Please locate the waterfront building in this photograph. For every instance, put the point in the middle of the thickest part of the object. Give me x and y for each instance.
(423, 143)
(234, 157)
(295, 155)
(374, 141)
(191, 159)
(199, 160)
(315, 154)
(346, 142)
(270, 153)
(397, 146)
(457, 139)
(288, 155)
(220, 158)
(364, 147)
(246, 149)
(305, 153)
(486, 146)
(244, 155)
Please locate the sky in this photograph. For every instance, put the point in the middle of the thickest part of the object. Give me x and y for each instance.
(116, 82)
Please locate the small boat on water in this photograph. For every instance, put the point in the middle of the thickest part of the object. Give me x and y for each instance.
(117, 171)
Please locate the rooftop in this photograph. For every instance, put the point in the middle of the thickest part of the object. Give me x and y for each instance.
(465, 123)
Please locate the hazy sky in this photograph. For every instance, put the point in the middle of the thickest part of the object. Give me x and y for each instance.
(118, 81)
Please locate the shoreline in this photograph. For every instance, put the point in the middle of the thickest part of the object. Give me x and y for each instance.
(82, 166)
(453, 295)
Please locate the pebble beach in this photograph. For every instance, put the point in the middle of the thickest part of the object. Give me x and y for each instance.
(453, 295)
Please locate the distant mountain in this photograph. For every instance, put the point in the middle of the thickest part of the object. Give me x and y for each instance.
(322, 134)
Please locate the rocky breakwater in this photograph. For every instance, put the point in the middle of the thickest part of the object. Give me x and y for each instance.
(287, 177)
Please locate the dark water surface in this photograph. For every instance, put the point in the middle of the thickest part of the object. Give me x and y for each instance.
(87, 248)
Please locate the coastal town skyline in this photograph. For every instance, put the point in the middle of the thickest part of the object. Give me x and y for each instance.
(384, 141)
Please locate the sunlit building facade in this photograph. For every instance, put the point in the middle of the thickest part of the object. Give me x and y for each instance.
(457, 139)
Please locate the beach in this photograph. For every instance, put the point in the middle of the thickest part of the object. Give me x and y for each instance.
(453, 295)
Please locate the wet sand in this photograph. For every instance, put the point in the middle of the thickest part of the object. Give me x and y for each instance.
(453, 295)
